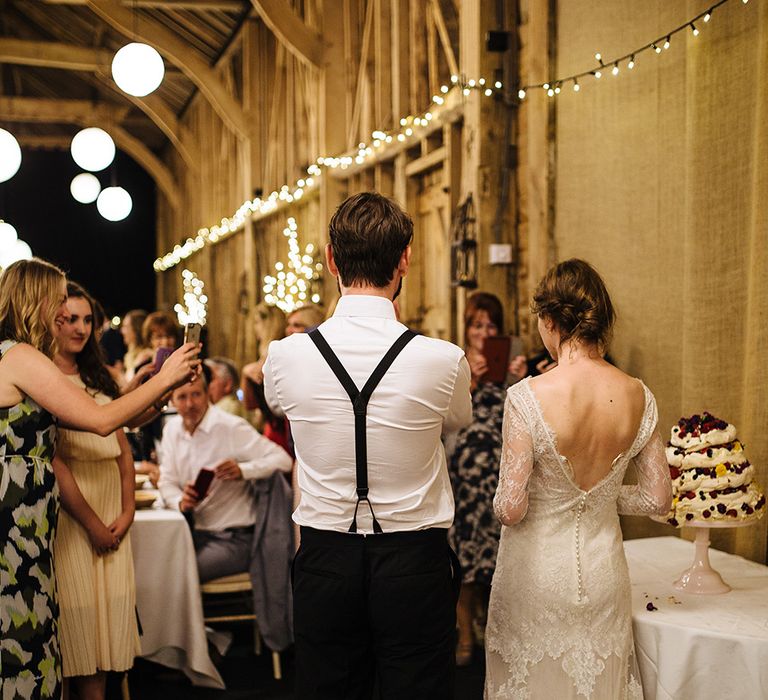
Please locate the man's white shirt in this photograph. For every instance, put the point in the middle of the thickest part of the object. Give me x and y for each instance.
(218, 437)
(426, 391)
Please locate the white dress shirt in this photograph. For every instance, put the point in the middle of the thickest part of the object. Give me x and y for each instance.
(425, 391)
(218, 437)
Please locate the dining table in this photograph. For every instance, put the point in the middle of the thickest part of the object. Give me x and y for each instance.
(168, 596)
(694, 647)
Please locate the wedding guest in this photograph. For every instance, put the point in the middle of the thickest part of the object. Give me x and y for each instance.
(559, 617)
(270, 325)
(94, 565)
(204, 436)
(222, 389)
(371, 607)
(304, 319)
(474, 469)
(130, 329)
(159, 330)
(33, 395)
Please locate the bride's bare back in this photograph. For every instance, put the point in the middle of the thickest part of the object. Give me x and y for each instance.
(594, 410)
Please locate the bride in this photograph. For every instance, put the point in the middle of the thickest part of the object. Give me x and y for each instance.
(559, 618)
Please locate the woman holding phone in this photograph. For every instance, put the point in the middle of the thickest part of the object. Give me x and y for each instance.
(34, 396)
(94, 565)
(474, 466)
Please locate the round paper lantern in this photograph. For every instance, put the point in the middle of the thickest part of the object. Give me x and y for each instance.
(18, 250)
(10, 155)
(138, 69)
(85, 188)
(93, 149)
(114, 203)
(8, 235)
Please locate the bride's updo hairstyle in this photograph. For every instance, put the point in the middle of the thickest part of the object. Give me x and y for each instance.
(573, 296)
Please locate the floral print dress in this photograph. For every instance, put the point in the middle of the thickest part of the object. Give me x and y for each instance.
(474, 470)
(30, 662)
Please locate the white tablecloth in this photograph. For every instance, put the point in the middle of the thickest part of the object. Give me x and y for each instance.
(168, 596)
(696, 647)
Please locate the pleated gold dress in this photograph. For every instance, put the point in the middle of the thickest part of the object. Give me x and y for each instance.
(97, 595)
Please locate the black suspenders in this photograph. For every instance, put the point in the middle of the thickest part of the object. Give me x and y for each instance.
(359, 399)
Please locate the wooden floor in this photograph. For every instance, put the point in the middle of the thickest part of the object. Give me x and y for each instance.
(249, 676)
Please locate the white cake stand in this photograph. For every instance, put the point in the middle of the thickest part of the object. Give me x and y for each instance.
(701, 578)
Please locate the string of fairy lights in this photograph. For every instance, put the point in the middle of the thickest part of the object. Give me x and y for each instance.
(194, 308)
(296, 282)
(411, 128)
(614, 65)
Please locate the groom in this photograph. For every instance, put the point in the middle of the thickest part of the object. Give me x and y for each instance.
(375, 582)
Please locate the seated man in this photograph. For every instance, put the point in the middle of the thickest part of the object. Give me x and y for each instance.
(222, 389)
(203, 436)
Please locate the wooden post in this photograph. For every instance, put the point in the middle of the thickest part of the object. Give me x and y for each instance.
(535, 157)
(332, 127)
(485, 150)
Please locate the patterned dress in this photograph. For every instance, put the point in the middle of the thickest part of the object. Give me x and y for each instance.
(30, 662)
(474, 470)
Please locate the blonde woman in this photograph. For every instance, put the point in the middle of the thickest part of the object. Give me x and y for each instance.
(33, 395)
(269, 324)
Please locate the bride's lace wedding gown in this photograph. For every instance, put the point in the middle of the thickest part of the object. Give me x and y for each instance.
(559, 618)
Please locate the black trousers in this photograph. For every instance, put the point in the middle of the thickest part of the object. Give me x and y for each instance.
(377, 610)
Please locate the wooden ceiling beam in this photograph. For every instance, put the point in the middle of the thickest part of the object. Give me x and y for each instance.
(165, 120)
(52, 54)
(49, 54)
(85, 113)
(45, 142)
(150, 162)
(33, 109)
(178, 53)
(221, 5)
(302, 41)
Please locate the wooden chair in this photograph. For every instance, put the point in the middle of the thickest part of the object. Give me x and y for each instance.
(239, 583)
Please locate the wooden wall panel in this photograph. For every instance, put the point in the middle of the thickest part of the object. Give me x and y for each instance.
(295, 113)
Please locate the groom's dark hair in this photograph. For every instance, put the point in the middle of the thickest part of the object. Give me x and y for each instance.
(368, 234)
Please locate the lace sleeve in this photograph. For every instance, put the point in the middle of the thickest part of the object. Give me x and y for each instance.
(511, 501)
(653, 492)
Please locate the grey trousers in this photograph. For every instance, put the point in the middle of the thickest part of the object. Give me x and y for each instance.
(221, 553)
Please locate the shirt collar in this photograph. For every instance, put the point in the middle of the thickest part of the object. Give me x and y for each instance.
(206, 424)
(365, 305)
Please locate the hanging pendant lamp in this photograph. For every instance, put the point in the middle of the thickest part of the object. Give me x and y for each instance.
(93, 149)
(114, 203)
(138, 69)
(10, 155)
(85, 188)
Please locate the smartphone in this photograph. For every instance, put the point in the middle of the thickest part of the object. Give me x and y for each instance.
(203, 482)
(192, 333)
(161, 356)
(496, 352)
